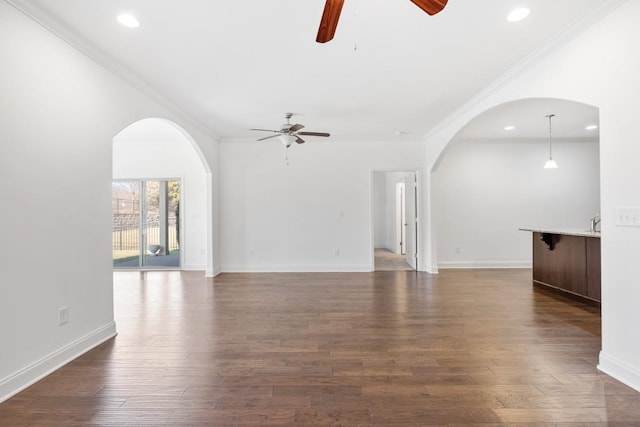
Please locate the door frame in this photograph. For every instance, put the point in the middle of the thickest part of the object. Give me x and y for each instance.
(419, 229)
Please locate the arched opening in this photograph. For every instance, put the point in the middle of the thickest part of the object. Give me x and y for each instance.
(161, 199)
(490, 180)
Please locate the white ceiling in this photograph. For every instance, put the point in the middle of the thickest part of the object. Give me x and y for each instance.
(235, 65)
(528, 119)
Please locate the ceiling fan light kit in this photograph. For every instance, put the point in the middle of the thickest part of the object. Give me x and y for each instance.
(287, 140)
(333, 8)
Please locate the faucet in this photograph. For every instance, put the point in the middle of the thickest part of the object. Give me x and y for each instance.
(594, 223)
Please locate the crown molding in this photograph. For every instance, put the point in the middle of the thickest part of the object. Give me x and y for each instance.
(75, 40)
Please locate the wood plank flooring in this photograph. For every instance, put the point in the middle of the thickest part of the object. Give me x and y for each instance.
(406, 349)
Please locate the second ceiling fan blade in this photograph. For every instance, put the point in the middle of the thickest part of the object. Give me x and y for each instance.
(296, 127)
(314, 133)
(431, 6)
(329, 22)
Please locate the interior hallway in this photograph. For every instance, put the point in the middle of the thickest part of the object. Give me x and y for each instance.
(385, 260)
(367, 349)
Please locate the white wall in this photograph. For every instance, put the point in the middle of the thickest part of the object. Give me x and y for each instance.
(380, 209)
(287, 218)
(485, 190)
(600, 68)
(163, 153)
(59, 112)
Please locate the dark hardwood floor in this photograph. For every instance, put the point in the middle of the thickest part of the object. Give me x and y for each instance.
(380, 349)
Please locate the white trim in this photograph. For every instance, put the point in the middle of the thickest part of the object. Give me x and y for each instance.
(210, 228)
(180, 225)
(213, 273)
(483, 264)
(619, 370)
(297, 269)
(18, 381)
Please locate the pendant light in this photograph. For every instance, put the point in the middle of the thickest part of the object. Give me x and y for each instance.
(550, 164)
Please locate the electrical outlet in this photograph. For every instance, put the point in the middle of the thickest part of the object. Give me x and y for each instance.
(457, 250)
(252, 252)
(336, 252)
(63, 316)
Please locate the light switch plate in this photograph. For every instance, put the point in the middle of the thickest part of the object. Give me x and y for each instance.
(628, 217)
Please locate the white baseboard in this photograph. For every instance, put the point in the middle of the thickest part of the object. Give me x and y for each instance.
(619, 370)
(15, 383)
(483, 264)
(212, 273)
(296, 268)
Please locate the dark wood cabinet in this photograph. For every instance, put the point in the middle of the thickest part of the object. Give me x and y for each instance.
(567, 263)
(593, 268)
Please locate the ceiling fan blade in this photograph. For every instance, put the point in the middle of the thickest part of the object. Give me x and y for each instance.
(329, 22)
(296, 127)
(314, 133)
(430, 6)
(266, 130)
(267, 137)
(299, 140)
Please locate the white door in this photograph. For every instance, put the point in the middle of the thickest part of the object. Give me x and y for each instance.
(400, 219)
(410, 242)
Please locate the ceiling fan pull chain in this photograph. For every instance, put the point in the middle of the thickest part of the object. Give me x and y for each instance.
(355, 18)
(286, 156)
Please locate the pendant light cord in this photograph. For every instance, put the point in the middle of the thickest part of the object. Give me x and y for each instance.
(550, 116)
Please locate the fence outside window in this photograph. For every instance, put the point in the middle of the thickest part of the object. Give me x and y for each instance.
(126, 231)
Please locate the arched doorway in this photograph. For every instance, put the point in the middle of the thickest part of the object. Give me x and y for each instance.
(161, 205)
(490, 180)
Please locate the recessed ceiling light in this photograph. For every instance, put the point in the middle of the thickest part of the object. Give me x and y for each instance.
(128, 20)
(518, 14)
(509, 127)
(592, 127)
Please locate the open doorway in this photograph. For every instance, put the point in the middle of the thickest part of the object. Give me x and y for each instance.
(477, 214)
(395, 231)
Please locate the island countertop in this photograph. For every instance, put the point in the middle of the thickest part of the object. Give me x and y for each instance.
(565, 231)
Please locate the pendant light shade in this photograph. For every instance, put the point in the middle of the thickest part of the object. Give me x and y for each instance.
(550, 163)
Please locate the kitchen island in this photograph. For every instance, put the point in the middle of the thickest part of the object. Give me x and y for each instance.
(567, 261)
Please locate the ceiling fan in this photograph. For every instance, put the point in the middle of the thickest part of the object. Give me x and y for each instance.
(332, 9)
(289, 133)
